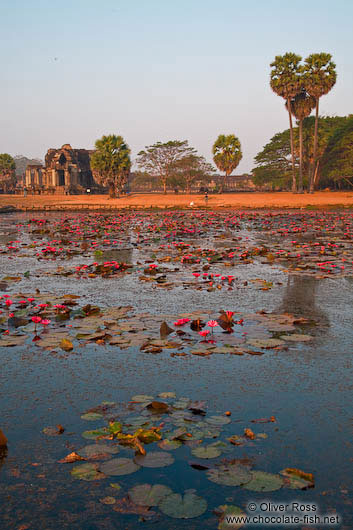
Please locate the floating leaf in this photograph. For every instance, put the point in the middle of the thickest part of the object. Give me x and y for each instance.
(92, 435)
(168, 445)
(158, 406)
(91, 416)
(297, 479)
(66, 345)
(87, 472)
(125, 505)
(119, 466)
(141, 398)
(218, 420)
(296, 337)
(183, 507)
(262, 481)
(209, 451)
(167, 395)
(108, 500)
(229, 510)
(147, 495)
(154, 459)
(72, 457)
(265, 343)
(230, 475)
(98, 451)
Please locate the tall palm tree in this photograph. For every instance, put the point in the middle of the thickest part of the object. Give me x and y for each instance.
(286, 82)
(301, 106)
(226, 155)
(319, 76)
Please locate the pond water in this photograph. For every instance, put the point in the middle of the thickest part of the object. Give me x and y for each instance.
(305, 385)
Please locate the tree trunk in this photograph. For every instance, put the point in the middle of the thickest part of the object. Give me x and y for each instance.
(294, 181)
(316, 175)
(165, 187)
(311, 181)
(300, 184)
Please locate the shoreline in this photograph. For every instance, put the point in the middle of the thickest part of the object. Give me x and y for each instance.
(135, 201)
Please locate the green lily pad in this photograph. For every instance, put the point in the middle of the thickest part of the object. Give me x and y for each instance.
(115, 485)
(229, 475)
(119, 466)
(142, 398)
(208, 451)
(147, 495)
(296, 337)
(91, 416)
(295, 479)
(265, 343)
(229, 510)
(87, 472)
(92, 435)
(168, 445)
(183, 507)
(98, 450)
(154, 459)
(218, 420)
(262, 481)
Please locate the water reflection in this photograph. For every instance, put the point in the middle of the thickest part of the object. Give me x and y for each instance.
(300, 298)
(122, 255)
(3, 455)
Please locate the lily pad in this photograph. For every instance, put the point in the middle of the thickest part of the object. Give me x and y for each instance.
(119, 466)
(92, 435)
(87, 472)
(183, 507)
(167, 395)
(142, 398)
(229, 475)
(169, 445)
(97, 451)
(91, 416)
(229, 510)
(262, 481)
(297, 479)
(208, 451)
(218, 420)
(147, 495)
(154, 459)
(265, 343)
(296, 337)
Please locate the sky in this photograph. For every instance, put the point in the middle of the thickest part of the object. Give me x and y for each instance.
(159, 70)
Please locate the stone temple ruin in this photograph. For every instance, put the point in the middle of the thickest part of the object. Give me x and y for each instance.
(66, 170)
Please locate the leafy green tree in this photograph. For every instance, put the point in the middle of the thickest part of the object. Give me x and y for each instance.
(159, 159)
(301, 106)
(319, 76)
(111, 163)
(226, 155)
(286, 82)
(338, 157)
(7, 171)
(189, 169)
(273, 167)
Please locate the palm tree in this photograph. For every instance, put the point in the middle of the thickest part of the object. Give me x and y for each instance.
(301, 106)
(226, 154)
(111, 163)
(319, 78)
(286, 82)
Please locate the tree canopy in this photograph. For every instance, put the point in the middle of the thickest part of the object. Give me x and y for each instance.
(160, 159)
(7, 171)
(338, 156)
(227, 154)
(273, 162)
(111, 162)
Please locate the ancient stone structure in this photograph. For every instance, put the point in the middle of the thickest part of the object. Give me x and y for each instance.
(66, 170)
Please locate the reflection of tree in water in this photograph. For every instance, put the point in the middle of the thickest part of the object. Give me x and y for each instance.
(299, 299)
(3, 455)
(123, 255)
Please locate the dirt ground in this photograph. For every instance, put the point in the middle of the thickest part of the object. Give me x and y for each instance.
(320, 199)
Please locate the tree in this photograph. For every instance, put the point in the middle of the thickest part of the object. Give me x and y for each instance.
(189, 169)
(273, 163)
(286, 82)
(338, 157)
(7, 171)
(301, 106)
(226, 155)
(111, 162)
(159, 159)
(319, 78)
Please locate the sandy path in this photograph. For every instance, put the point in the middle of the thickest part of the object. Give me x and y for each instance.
(234, 200)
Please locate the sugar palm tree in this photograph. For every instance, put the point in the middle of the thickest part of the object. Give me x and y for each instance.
(319, 76)
(226, 154)
(286, 82)
(301, 106)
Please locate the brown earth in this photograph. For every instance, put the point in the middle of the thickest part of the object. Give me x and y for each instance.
(322, 199)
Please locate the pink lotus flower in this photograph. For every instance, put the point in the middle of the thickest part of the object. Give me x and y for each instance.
(45, 322)
(36, 320)
(8, 302)
(204, 333)
(181, 321)
(212, 323)
(196, 274)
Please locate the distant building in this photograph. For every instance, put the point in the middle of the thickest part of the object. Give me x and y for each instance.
(65, 170)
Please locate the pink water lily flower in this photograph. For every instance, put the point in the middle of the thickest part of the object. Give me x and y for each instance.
(212, 323)
(45, 321)
(204, 333)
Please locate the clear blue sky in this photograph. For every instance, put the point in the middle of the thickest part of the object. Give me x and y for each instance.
(150, 70)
